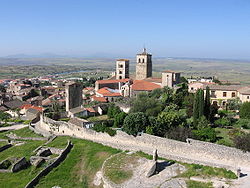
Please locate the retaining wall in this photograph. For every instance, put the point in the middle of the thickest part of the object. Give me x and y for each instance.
(5, 147)
(45, 171)
(193, 152)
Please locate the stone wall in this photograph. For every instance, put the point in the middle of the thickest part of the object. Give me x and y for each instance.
(45, 171)
(193, 152)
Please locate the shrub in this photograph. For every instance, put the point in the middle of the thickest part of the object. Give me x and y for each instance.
(206, 134)
(244, 123)
(223, 122)
(102, 127)
(245, 110)
(242, 142)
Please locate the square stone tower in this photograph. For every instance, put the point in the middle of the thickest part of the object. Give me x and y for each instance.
(73, 95)
(122, 68)
(170, 78)
(143, 65)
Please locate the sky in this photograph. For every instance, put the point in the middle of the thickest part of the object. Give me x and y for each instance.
(121, 28)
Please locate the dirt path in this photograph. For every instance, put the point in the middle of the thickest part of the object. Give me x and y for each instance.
(13, 127)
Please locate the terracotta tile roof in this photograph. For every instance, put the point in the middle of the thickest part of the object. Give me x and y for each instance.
(106, 92)
(245, 90)
(90, 109)
(112, 81)
(142, 85)
(29, 106)
(88, 88)
(99, 99)
(224, 87)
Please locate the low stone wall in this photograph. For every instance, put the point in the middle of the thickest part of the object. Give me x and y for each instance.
(193, 152)
(5, 147)
(45, 171)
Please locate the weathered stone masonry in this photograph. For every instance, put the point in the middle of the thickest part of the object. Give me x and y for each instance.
(193, 152)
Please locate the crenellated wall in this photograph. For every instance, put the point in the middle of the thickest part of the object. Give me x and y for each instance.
(192, 152)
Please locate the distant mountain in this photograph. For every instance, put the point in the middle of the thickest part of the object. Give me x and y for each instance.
(43, 55)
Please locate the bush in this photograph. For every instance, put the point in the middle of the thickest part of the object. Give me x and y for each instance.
(206, 134)
(245, 110)
(102, 127)
(244, 123)
(222, 122)
(242, 142)
(113, 111)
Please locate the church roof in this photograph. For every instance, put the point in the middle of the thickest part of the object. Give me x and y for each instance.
(142, 85)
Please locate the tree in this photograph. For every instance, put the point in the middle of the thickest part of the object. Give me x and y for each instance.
(113, 111)
(119, 119)
(188, 104)
(234, 104)
(144, 103)
(168, 120)
(134, 123)
(198, 108)
(207, 104)
(245, 110)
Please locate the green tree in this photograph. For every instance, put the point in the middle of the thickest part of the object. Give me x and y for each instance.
(207, 104)
(198, 109)
(134, 123)
(113, 111)
(119, 118)
(167, 120)
(245, 110)
(207, 134)
(179, 133)
(234, 104)
(144, 103)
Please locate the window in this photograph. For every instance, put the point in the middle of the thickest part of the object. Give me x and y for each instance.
(224, 94)
(120, 77)
(212, 93)
(247, 97)
(120, 66)
(120, 72)
(233, 94)
(192, 88)
(139, 60)
(142, 60)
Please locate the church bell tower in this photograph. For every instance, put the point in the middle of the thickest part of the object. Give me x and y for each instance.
(143, 65)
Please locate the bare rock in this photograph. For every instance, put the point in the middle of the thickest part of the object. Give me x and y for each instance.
(152, 168)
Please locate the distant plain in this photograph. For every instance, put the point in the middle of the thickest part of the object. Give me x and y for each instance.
(229, 70)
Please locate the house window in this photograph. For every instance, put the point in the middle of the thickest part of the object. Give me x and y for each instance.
(212, 93)
(224, 94)
(233, 94)
(192, 88)
(247, 97)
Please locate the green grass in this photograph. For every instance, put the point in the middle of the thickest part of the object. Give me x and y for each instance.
(59, 142)
(2, 143)
(114, 167)
(197, 184)
(25, 132)
(98, 118)
(207, 171)
(80, 166)
(24, 150)
(226, 140)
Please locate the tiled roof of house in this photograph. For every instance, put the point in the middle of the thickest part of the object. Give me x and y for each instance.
(224, 87)
(106, 92)
(90, 109)
(112, 81)
(77, 121)
(29, 106)
(142, 85)
(99, 99)
(245, 90)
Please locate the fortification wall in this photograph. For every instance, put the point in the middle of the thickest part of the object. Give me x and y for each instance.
(193, 152)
